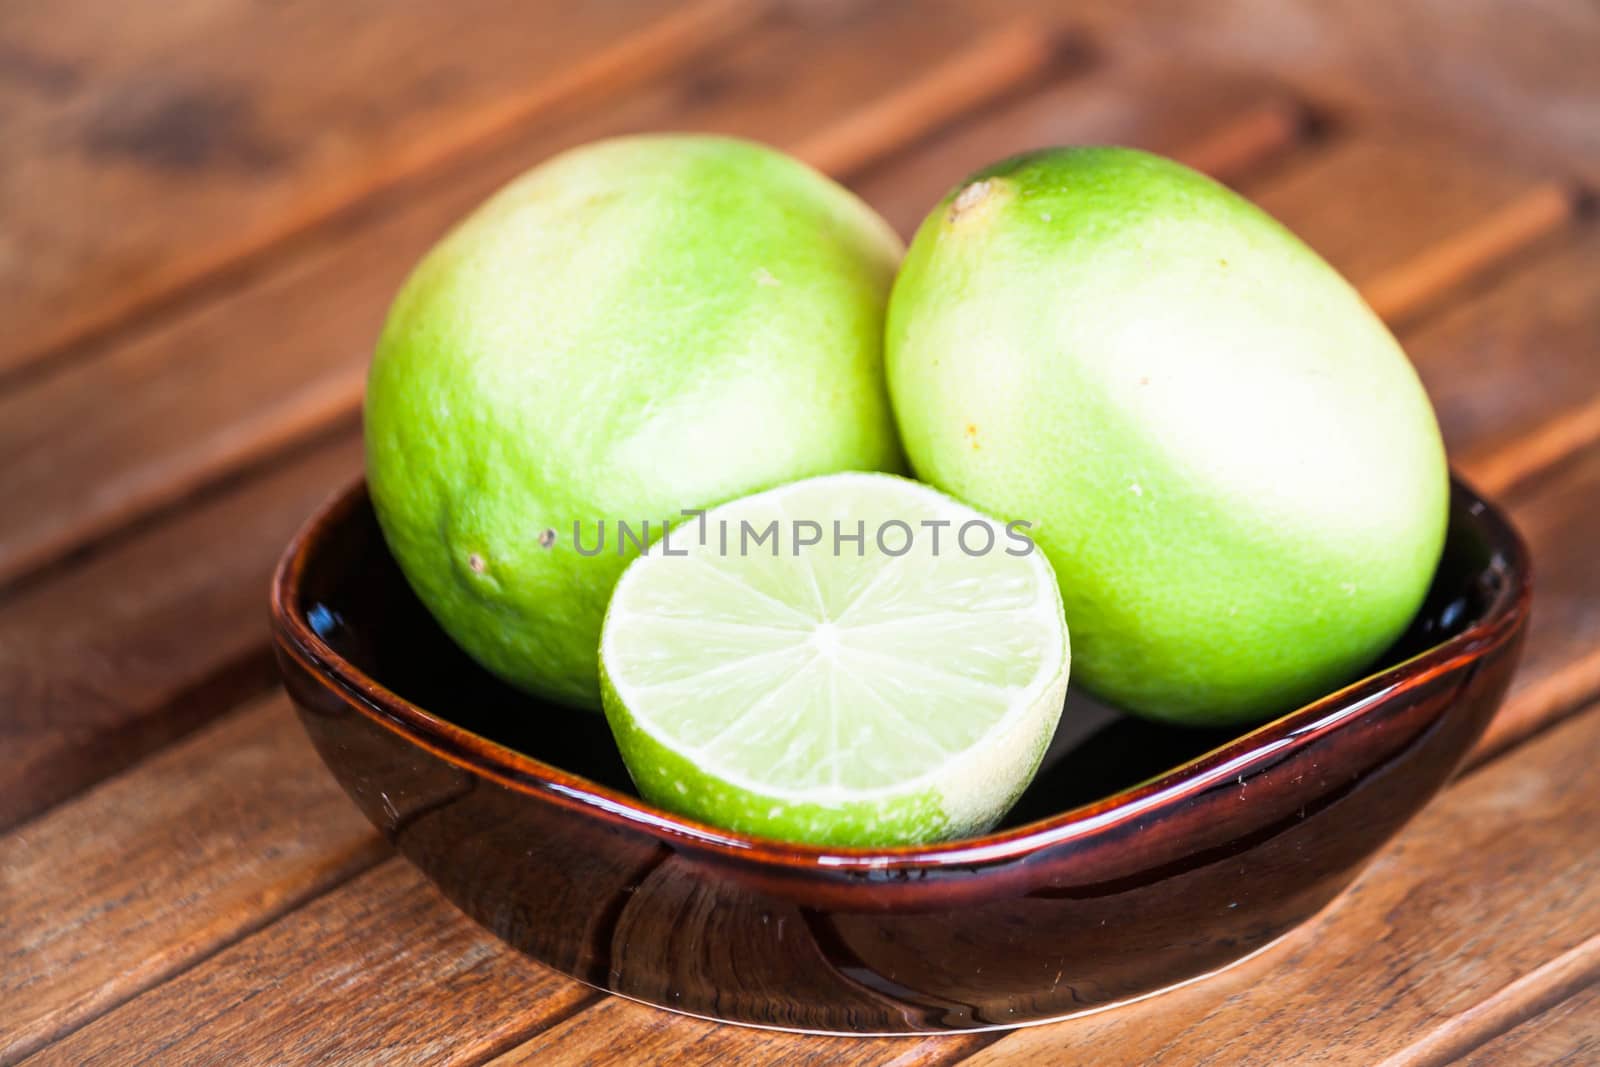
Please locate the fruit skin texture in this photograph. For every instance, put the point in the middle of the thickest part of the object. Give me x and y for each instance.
(1231, 463)
(632, 328)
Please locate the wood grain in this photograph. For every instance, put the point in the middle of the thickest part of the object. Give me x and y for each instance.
(193, 930)
(1000, 62)
(262, 366)
(1551, 983)
(1447, 64)
(1492, 881)
(137, 880)
(299, 760)
(381, 970)
(1560, 526)
(1561, 661)
(184, 883)
(1222, 124)
(103, 662)
(106, 661)
(162, 632)
(1567, 1035)
(220, 131)
(1513, 371)
(1456, 214)
(1508, 229)
(311, 325)
(432, 986)
(656, 1038)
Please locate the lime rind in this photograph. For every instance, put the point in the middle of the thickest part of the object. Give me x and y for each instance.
(836, 699)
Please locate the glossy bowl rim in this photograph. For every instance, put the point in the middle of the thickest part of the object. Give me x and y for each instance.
(543, 781)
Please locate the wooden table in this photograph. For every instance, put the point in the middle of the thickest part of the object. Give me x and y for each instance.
(204, 209)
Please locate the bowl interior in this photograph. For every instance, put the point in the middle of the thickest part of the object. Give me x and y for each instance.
(353, 596)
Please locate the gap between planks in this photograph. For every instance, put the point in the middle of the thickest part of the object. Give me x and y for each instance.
(1003, 62)
(1528, 996)
(153, 484)
(230, 829)
(1567, 1035)
(1260, 131)
(134, 648)
(993, 65)
(593, 1036)
(1411, 287)
(1008, 46)
(682, 33)
(1231, 135)
(1573, 683)
(1504, 470)
(338, 815)
(1406, 953)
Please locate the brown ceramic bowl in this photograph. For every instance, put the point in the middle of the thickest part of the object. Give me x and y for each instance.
(1141, 857)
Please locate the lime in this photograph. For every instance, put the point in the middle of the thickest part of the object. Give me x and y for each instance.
(854, 659)
(632, 328)
(1232, 466)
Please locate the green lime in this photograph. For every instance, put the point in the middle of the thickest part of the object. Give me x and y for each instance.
(632, 328)
(854, 659)
(1233, 467)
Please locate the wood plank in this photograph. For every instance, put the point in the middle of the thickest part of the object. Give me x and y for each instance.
(316, 320)
(382, 970)
(430, 986)
(264, 365)
(617, 1031)
(1221, 123)
(1001, 62)
(1561, 661)
(1491, 882)
(221, 130)
(106, 661)
(1456, 214)
(137, 880)
(100, 670)
(1541, 557)
(1513, 371)
(293, 1043)
(124, 653)
(1518, 399)
(1525, 94)
(1559, 524)
(1528, 997)
(190, 405)
(75, 717)
(1567, 1035)
(218, 989)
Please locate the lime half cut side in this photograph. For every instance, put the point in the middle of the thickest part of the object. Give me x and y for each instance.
(855, 659)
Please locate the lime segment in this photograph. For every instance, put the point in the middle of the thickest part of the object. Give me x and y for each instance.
(770, 672)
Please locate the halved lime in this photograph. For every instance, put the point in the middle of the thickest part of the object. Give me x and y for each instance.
(853, 659)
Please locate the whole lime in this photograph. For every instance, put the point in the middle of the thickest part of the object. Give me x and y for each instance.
(1227, 457)
(633, 328)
